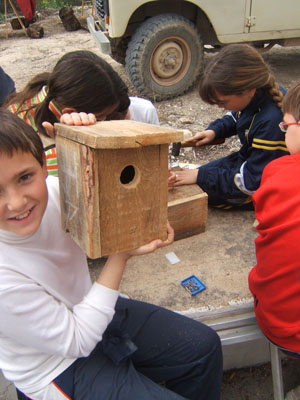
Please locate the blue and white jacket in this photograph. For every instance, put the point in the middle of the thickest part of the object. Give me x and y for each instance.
(261, 138)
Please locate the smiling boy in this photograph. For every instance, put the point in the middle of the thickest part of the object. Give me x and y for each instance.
(62, 337)
(22, 213)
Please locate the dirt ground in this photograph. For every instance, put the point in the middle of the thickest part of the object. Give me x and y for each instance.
(22, 58)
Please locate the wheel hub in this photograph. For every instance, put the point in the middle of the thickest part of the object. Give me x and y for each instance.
(170, 61)
(167, 59)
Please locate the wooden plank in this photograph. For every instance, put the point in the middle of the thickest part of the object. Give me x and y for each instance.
(119, 134)
(184, 192)
(79, 197)
(105, 212)
(134, 213)
(187, 210)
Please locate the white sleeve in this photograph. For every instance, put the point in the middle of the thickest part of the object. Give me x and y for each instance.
(34, 318)
(143, 110)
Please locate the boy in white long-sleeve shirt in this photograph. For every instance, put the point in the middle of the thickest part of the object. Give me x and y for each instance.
(62, 337)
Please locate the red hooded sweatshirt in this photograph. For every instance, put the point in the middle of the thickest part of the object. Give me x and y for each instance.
(275, 279)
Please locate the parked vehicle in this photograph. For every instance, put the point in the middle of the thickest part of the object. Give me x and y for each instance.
(162, 42)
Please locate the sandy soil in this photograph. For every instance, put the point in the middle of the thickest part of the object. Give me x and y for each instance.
(22, 58)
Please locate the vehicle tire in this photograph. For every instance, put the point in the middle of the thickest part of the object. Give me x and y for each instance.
(117, 57)
(164, 56)
(118, 51)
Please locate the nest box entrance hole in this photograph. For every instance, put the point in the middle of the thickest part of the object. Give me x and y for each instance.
(128, 175)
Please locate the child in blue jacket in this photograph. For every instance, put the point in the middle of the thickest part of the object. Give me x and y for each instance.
(238, 80)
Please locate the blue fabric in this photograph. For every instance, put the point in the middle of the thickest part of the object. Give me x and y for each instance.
(7, 86)
(164, 355)
(21, 396)
(256, 125)
(289, 353)
(215, 179)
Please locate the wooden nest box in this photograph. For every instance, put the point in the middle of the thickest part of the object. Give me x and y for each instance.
(114, 183)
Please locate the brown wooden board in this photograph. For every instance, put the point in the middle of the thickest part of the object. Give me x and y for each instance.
(114, 183)
(119, 134)
(104, 212)
(187, 210)
(79, 194)
(134, 213)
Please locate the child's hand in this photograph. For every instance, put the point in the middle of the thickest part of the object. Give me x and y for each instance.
(185, 177)
(112, 272)
(49, 128)
(78, 119)
(202, 138)
(74, 118)
(171, 178)
(154, 245)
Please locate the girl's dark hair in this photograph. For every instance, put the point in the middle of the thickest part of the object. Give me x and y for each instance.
(124, 102)
(235, 69)
(80, 80)
(122, 93)
(16, 135)
(291, 101)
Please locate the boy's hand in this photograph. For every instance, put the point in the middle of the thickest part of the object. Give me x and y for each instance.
(152, 246)
(112, 272)
(202, 138)
(49, 128)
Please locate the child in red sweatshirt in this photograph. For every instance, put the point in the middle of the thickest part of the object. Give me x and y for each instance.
(275, 279)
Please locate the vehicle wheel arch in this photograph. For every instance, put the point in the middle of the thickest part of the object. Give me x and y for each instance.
(186, 9)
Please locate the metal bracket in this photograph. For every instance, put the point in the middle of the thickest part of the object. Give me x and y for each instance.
(250, 21)
(99, 36)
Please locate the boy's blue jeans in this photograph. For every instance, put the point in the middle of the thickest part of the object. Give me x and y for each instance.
(148, 353)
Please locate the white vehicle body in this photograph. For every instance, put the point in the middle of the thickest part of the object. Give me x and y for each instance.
(215, 23)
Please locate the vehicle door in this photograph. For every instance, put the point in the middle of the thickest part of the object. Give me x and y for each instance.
(280, 16)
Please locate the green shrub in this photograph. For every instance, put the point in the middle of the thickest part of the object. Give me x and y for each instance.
(50, 4)
(56, 3)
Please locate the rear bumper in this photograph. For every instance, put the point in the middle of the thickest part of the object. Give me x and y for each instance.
(99, 36)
